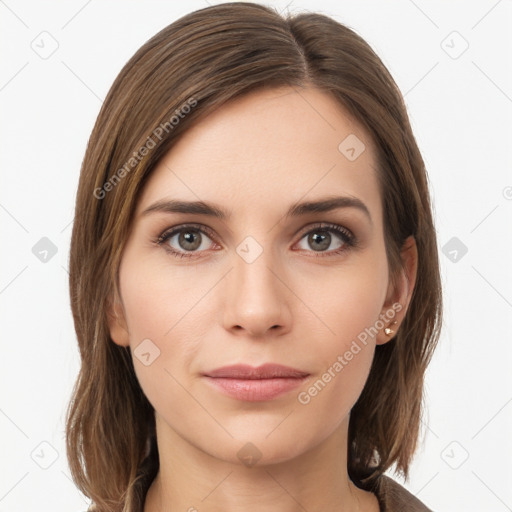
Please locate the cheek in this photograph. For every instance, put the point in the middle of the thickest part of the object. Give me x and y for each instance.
(342, 362)
(157, 300)
(165, 332)
(348, 303)
(346, 300)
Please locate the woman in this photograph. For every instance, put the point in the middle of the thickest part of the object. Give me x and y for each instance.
(253, 274)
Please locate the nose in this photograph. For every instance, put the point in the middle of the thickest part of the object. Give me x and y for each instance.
(257, 298)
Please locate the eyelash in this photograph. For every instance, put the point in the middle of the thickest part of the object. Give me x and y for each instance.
(348, 239)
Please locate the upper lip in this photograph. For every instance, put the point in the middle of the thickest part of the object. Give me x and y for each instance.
(265, 371)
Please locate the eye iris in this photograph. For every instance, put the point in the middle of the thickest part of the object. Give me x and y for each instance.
(189, 237)
(324, 239)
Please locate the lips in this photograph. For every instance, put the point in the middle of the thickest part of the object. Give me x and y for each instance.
(266, 371)
(251, 384)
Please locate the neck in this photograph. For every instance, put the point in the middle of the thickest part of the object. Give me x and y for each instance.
(190, 479)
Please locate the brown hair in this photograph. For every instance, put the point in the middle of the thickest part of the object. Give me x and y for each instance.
(203, 60)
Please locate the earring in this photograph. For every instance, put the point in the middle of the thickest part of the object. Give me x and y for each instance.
(388, 331)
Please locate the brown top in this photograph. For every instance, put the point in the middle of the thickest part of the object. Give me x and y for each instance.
(393, 497)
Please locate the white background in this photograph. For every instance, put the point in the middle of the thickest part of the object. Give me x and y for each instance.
(460, 106)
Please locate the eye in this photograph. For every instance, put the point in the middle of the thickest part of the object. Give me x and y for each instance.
(320, 238)
(184, 241)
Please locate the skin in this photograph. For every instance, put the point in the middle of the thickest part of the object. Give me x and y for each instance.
(295, 305)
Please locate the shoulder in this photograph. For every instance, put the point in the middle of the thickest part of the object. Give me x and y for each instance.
(393, 497)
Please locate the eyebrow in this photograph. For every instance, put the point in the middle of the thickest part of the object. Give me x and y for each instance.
(296, 210)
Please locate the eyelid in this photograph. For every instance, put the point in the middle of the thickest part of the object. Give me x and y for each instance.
(176, 229)
(327, 226)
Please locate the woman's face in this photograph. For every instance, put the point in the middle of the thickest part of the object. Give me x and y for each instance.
(260, 285)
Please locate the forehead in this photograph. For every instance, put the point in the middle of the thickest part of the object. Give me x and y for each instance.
(266, 150)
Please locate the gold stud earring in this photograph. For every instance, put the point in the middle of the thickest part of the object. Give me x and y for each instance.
(388, 331)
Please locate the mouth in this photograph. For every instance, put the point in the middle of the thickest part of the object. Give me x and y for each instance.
(251, 384)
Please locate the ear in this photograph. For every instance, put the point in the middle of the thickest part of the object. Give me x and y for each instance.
(399, 294)
(117, 321)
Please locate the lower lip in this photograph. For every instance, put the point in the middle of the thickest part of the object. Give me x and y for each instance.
(255, 390)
